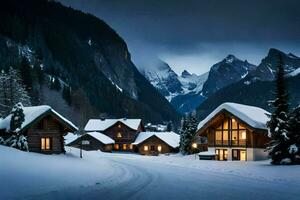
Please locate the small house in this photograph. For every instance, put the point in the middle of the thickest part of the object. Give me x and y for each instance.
(123, 131)
(91, 141)
(43, 127)
(236, 132)
(154, 143)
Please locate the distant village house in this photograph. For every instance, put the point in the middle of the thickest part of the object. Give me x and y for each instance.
(154, 143)
(122, 131)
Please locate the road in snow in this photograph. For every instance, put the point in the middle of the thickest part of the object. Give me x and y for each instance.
(170, 177)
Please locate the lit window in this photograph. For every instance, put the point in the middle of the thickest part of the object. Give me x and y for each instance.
(117, 146)
(124, 147)
(119, 135)
(244, 135)
(234, 124)
(146, 148)
(159, 148)
(119, 126)
(45, 144)
(131, 146)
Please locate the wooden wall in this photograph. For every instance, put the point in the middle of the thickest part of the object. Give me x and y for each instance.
(94, 144)
(154, 141)
(128, 135)
(46, 127)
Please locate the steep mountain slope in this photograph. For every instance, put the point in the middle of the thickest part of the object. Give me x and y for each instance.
(266, 70)
(82, 52)
(226, 72)
(256, 88)
(183, 91)
(255, 94)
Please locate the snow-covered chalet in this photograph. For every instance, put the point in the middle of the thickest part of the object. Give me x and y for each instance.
(235, 132)
(43, 127)
(122, 131)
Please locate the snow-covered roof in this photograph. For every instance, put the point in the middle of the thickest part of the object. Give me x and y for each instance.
(70, 137)
(103, 124)
(254, 116)
(101, 137)
(32, 113)
(170, 138)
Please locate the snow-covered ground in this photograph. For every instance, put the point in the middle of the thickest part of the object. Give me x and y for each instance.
(130, 176)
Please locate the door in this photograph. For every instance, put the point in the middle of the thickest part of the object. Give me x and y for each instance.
(239, 154)
(221, 154)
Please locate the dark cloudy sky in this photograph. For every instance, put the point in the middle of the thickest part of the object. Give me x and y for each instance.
(194, 34)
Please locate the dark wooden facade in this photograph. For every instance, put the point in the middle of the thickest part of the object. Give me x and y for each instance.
(234, 139)
(94, 144)
(255, 138)
(154, 146)
(123, 135)
(45, 134)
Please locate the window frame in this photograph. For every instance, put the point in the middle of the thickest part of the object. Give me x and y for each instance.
(43, 145)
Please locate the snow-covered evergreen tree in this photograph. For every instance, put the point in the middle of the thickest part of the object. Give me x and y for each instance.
(182, 133)
(1, 140)
(12, 91)
(294, 135)
(17, 117)
(17, 140)
(278, 125)
(187, 133)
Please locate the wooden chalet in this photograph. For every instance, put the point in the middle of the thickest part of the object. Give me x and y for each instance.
(122, 131)
(43, 127)
(154, 143)
(92, 141)
(236, 132)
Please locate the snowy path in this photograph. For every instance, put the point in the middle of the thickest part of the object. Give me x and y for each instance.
(127, 176)
(145, 179)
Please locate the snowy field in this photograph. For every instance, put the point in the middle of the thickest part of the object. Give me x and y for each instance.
(129, 176)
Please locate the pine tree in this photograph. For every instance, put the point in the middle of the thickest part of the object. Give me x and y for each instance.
(17, 117)
(26, 74)
(17, 140)
(187, 135)
(294, 135)
(170, 126)
(182, 133)
(278, 124)
(66, 94)
(4, 104)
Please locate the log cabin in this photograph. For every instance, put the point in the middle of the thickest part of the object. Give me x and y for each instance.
(43, 127)
(236, 132)
(122, 131)
(94, 141)
(154, 143)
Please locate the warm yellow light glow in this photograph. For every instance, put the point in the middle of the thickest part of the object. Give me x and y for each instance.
(233, 120)
(45, 144)
(124, 147)
(119, 135)
(146, 148)
(131, 146)
(159, 148)
(194, 145)
(119, 126)
(244, 135)
(116, 146)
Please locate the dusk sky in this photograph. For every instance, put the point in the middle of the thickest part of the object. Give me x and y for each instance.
(195, 34)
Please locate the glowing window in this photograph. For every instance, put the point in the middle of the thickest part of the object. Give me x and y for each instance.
(119, 135)
(119, 126)
(234, 124)
(146, 148)
(225, 124)
(130, 146)
(124, 147)
(45, 143)
(159, 148)
(117, 146)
